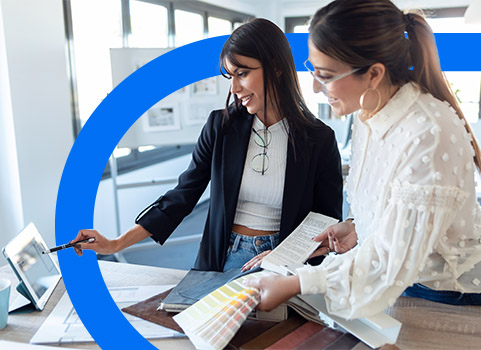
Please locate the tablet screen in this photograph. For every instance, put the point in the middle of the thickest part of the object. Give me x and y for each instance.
(38, 268)
(38, 271)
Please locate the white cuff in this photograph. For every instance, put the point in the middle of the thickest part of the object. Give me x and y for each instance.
(312, 279)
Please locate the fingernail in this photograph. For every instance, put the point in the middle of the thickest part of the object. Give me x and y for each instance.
(330, 234)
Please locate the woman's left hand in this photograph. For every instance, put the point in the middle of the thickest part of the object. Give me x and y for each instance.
(338, 238)
(275, 290)
(255, 261)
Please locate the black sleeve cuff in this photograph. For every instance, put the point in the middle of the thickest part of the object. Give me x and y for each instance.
(156, 223)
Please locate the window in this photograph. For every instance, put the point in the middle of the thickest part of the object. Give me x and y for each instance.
(317, 103)
(97, 26)
(302, 28)
(465, 85)
(149, 25)
(219, 26)
(189, 27)
(297, 24)
(93, 27)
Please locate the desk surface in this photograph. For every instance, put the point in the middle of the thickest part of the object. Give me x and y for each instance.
(22, 327)
(426, 325)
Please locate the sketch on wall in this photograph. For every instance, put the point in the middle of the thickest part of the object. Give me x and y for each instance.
(198, 113)
(205, 87)
(161, 118)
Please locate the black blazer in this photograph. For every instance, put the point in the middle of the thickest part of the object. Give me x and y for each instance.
(313, 183)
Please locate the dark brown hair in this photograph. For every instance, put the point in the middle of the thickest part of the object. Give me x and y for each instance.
(363, 32)
(264, 41)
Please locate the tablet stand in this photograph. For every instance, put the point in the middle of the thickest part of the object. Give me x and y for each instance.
(21, 305)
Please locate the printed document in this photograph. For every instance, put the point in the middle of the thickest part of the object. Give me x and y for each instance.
(298, 246)
(64, 326)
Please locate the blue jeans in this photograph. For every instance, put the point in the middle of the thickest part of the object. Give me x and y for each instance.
(442, 296)
(243, 248)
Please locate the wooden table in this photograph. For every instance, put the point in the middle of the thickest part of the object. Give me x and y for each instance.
(426, 325)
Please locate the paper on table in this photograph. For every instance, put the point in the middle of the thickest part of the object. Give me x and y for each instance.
(64, 326)
(9, 345)
(298, 246)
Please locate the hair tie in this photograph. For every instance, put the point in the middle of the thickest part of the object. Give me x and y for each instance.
(409, 21)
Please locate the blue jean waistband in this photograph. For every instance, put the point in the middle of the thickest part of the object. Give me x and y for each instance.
(242, 241)
(442, 296)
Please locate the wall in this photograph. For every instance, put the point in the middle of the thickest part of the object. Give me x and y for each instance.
(40, 107)
(11, 215)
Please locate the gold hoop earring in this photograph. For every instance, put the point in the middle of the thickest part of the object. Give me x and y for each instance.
(365, 112)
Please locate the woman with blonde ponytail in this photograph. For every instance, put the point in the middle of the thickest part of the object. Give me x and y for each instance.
(411, 185)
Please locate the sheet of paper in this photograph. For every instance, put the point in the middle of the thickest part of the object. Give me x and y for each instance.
(298, 246)
(64, 326)
(9, 345)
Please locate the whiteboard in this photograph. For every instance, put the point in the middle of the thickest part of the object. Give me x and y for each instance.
(178, 118)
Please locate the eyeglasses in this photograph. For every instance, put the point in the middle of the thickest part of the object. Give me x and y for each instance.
(323, 83)
(260, 162)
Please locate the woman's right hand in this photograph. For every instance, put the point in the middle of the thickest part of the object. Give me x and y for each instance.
(338, 238)
(255, 261)
(101, 244)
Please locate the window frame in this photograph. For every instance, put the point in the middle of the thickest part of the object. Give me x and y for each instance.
(291, 22)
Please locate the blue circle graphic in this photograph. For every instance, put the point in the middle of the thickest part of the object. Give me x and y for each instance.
(111, 120)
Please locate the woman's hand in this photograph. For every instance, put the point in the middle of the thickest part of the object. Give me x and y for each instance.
(255, 261)
(105, 246)
(101, 244)
(275, 290)
(338, 238)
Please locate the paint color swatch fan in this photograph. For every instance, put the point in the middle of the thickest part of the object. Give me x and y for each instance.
(214, 320)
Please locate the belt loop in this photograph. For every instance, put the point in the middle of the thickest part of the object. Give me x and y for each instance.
(273, 239)
(236, 242)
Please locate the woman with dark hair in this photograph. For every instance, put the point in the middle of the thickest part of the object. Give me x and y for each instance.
(269, 161)
(411, 182)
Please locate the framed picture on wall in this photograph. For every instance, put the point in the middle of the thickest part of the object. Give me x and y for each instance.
(161, 118)
(198, 113)
(205, 87)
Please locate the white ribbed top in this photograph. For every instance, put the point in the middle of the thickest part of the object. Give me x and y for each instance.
(260, 197)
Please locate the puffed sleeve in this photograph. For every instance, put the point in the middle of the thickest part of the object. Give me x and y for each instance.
(367, 279)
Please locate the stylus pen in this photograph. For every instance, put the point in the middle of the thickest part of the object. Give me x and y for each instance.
(69, 245)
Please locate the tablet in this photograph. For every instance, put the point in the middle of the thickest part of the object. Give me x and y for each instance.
(37, 272)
